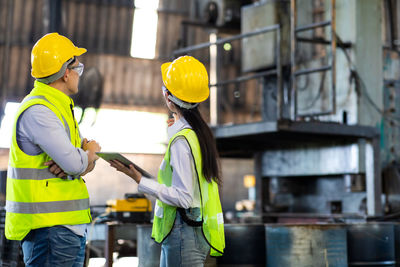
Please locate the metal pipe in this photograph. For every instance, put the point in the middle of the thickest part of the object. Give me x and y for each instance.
(245, 78)
(226, 40)
(313, 26)
(55, 15)
(333, 38)
(373, 177)
(312, 70)
(323, 41)
(213, 79)
(279, 101)
(293, 92)
(389, 14)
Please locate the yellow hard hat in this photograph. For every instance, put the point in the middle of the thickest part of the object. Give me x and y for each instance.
(50, 53)
(186, 78)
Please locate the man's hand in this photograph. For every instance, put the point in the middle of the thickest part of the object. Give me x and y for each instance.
(55, 169)
(91, 147)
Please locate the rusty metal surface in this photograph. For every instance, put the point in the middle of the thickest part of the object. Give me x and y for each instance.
(306, 245)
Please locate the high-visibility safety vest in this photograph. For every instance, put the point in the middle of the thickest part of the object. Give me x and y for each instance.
(211, 211)
(36, 198)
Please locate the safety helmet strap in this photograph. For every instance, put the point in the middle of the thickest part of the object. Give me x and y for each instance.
(181, 103)
(57, 75)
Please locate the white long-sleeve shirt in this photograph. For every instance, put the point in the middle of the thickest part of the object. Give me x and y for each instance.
(184, 190)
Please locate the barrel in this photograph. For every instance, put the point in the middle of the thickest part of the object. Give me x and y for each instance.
(306, 245)
(397, 243)
(244, 246)
(371, 244)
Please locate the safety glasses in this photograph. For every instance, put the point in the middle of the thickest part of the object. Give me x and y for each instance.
(79, 68)
(164, 89)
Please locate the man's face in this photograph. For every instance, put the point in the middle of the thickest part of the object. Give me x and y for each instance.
(74, 72)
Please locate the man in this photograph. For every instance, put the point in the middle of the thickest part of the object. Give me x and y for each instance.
(47, 202)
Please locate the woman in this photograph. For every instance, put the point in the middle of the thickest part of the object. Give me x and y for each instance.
(188, 218)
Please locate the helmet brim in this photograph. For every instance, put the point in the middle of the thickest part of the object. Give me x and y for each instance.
(80, 51)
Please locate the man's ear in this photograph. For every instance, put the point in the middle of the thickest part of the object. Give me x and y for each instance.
(66, 76)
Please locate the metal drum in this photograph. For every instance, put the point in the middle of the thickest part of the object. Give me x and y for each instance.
(148, 250)
(244, 246)
(371, 244)
(306, 245)
(397, 243)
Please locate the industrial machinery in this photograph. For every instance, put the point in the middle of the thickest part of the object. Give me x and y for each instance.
(221, 13)
(134, 208)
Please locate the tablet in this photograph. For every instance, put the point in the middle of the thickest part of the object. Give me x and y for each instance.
(108, 156)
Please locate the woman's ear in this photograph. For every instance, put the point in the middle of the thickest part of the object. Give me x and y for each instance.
(166, 97)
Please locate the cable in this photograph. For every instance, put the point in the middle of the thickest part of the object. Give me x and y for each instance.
(88, 240)
(360, 84)
(320, 90)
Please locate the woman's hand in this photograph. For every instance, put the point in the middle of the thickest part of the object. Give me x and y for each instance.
(171, 121)
(55, 169)
(131, 171)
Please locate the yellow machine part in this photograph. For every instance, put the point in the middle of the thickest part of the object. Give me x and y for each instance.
(129, 204)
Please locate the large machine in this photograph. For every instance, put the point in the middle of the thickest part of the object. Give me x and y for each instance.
(316, 139)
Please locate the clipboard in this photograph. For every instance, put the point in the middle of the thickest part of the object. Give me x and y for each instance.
(108, 156)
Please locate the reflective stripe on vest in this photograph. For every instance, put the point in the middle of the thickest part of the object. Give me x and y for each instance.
(29, 173)
(46, 207)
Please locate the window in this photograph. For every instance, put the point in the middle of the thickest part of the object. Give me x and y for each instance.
(144, 30)
(122, 131)
(7, 124)
(125, 131)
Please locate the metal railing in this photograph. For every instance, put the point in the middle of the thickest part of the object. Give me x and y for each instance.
(214, 84)
(295, 72)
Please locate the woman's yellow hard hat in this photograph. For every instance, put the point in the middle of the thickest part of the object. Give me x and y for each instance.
(50, 53)
(186, 78)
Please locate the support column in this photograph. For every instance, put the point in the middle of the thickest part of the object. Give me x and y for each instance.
(369, 60)
(373, 177)
(52, 16)
(213, 79)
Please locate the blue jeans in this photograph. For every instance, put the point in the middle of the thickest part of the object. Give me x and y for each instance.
(185, 245)
(53, 246)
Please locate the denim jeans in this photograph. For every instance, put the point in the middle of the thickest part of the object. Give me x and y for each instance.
(53, 246)
(185, 245)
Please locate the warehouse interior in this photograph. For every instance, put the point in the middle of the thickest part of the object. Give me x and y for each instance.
(304, 106)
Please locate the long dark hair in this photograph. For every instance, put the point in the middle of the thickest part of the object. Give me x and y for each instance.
(209, 152)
